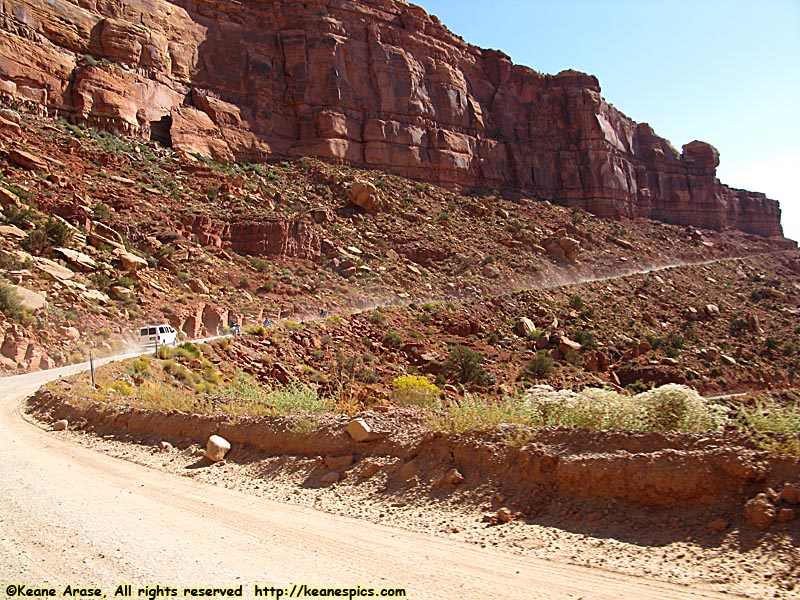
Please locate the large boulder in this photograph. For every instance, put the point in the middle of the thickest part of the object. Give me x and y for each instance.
(365, 195)
(130, 262)
(216, 448)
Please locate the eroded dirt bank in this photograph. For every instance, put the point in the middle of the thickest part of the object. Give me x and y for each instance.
(670, 505)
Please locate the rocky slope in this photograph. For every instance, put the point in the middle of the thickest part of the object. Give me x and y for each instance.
(103, 234)
(373, 83)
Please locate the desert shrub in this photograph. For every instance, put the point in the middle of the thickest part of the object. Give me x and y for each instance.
(53, 232)
(377, 318)
(36, 242)
(474, 414)
(262, 265)
(297, 397)
(205, 387)
(768, 415)
(256, 330)
(210, 375)
(668, 408)
(674, 407)
(180, 373)
(393, 339)
(534, 335)
(10, 301)
(738, 325)
(576, 302)
(465, 365)
(573, 357)
(87, 60)
(590, 409)
(415, 390)
(120, 387)
(58, 232)
(19, 215)
(774, 426)
(140, 365)
(585, 339)
(541, 365)
(185, 351)
(100, 211)
(655, 341)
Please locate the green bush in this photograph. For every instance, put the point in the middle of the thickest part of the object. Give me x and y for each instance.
(262, 265)
(53, 232)
(140, 365)
(58, 232)
(10, 302)
(185, 351)
(36, 242)
(668, 408)
(541, 365)
(415, 390)
(465, 366)
(768, 415)
(180, 372)
(585, 339)
(19, 216)
(377, 318)
(205, 388)
(256, 330)
(393, 339)
(534, 335)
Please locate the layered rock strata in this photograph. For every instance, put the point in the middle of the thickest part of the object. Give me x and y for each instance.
(372, 83)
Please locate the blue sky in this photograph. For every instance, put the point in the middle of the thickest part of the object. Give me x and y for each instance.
(723, 71)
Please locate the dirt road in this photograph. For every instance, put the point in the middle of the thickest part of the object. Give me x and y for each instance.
(72, 516)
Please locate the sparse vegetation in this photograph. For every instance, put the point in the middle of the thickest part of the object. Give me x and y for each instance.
(773, 425)
(10, 302)
(474, 414)
(393, 339)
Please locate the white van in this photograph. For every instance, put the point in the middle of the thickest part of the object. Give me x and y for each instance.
(160, 335)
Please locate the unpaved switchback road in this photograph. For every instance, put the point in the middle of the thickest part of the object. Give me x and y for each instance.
(73, 516)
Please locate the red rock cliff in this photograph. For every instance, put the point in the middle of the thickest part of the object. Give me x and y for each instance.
(375, 83)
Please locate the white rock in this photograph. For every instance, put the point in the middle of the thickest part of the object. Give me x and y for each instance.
(217, 448)
(61, 425)
(524, 327)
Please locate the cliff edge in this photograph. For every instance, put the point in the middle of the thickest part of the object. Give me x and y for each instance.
(371, 83)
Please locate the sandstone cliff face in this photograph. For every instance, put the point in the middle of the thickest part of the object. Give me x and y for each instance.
(272, 237)
(376, 83)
